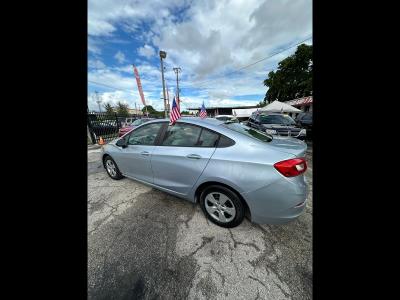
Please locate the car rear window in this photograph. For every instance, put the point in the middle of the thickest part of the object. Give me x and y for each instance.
(243, 129)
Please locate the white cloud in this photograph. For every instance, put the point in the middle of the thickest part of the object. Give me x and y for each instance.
(105, 15)
(225, 35)
(93, 46)
(147, 51)
(120, 83)
(96, 64)
(100, 28)
(208, 40)
(120, 57)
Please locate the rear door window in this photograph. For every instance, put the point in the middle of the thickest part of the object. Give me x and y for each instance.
(182, 135)
(187, 135)
(208, 138)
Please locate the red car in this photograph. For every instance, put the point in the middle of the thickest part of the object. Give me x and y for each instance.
(135, 124)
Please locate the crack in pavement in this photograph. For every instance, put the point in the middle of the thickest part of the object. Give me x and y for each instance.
(220, 274)
(235, 243)
(258, 280)
(205, 241)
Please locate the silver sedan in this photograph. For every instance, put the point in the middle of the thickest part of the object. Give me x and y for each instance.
(232, 170)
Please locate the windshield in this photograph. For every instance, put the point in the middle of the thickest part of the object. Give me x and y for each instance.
(277, 119)
(243, 129)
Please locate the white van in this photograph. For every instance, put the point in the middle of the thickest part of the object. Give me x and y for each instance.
(227, 118)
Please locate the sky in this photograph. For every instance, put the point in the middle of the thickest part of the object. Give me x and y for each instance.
(208, 40)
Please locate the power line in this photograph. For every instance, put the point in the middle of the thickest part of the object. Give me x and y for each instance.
(109, 86)
(221, 77)
(258, 61)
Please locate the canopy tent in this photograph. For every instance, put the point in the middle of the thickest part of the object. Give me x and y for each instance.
(278, 106)
(243, 112)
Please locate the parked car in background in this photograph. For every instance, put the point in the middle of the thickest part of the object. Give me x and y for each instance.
(227, 118)
(133, 125)
(229, 168)
(276, 124)
(104, 127)
(305, 120)
(129, 121)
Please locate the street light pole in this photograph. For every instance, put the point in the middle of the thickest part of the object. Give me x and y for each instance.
(163, 54)
(177, 70)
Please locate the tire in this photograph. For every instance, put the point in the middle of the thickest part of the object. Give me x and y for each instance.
(230, 214)
(112, 168)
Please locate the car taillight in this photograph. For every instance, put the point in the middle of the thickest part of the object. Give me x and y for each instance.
(291, 167)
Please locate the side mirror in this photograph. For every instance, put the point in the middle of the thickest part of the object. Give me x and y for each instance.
(122, 143)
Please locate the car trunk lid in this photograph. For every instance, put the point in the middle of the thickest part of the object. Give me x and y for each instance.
(289, 145)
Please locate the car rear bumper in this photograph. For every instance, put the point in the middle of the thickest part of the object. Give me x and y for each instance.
(279, 202)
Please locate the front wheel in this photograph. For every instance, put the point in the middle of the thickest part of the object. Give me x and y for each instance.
(222, 206)
(112, 168)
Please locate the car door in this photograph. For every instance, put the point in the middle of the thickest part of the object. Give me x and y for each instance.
(134, 160)
(181, 156)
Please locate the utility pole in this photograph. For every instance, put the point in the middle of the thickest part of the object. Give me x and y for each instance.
(163, 54)
(177, 70)
(98, 100)
(136, 112)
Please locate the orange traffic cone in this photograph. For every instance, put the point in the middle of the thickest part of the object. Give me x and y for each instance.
(101, 141)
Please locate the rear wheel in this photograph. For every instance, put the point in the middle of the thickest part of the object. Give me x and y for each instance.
(112, 168)
(222, 206)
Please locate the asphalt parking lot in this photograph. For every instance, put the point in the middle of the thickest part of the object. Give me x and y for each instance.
(146, 244)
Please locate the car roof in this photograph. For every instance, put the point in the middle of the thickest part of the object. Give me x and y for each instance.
(195, 120)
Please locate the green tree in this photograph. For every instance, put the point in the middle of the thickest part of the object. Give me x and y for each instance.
(152, 111)
(261, 103)
(109, 109)
(122, 109)
(293, 78)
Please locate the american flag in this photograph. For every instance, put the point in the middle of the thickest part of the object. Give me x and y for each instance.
(175, 113)
(203, 112)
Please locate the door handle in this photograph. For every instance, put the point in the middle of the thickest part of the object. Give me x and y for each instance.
(193, 156)
(145, 153)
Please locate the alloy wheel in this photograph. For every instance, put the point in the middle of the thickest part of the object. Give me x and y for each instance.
(220, 207)
(111, 168)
